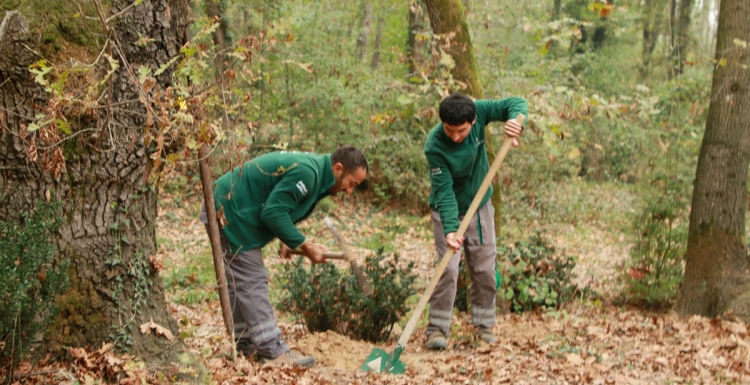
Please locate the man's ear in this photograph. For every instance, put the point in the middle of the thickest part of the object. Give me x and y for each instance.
(338, 169)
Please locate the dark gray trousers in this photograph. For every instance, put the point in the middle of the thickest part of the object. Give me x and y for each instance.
(481, 251)
(252, 312)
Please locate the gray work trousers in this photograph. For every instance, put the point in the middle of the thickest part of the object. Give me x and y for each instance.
(252, 312)
(481, 252)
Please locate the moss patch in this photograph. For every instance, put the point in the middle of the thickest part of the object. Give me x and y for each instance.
(59, 24)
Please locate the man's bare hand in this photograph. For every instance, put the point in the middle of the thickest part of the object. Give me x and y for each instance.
(513, 129)
(314, 251)
(285, 252)
(454, 242)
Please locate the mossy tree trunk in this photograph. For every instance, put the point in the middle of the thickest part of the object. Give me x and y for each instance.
(109, 206)
(448, 16)
(717, 272)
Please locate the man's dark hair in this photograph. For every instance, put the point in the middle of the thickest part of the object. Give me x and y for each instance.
(457, 109)
(350, 157)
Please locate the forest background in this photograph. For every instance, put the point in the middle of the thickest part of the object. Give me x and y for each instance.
(618, 93)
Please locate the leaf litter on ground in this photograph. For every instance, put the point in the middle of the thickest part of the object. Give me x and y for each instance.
(587, 343)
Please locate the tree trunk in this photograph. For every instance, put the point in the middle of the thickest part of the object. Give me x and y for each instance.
(364, 30)
(672, 34)
(109, 205)
(717, 276)
(415, 49)
(651, 19)
(679, 49)
(376, 49)
(447, 16)
(556, 8)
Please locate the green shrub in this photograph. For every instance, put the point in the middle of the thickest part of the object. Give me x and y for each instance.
(537, 277)
(653, 271)
(30, 278)
(327, 298)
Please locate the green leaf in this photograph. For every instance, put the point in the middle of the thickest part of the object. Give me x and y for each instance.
(61, 80)
(404, 100)
(740, 43)
(189, 51)
(446, 60)
(165, 66)
(143, 72)
(63, 126)
(40, 69)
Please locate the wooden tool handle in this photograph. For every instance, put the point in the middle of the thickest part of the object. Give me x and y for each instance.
(326, 255)
(461, 230)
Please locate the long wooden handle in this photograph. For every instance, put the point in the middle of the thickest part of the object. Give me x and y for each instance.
(216, 250)
(326, 255)
(359, 275)
(404, 339)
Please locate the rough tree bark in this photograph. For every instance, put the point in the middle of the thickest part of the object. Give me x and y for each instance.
(717, 272)
(109, 206)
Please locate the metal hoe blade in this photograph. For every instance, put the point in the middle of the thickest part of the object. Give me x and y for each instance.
(379, 361)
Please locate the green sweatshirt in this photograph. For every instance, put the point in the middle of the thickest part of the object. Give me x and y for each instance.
(457, 169)
(265, 197)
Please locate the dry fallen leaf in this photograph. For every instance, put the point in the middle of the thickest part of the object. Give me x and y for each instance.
(159, 330)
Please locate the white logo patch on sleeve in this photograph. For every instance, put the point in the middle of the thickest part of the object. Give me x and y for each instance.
(302, 188)
(436, 171)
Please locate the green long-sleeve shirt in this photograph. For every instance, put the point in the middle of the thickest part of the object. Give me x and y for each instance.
(457, 169)
(265, 197)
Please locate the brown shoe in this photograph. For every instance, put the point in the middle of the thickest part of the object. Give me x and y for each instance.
(436, 341)
(246, 347)
(486, 335)
(289, 358)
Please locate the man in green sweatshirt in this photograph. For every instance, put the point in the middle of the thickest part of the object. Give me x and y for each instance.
(457, 155)
(260, 201)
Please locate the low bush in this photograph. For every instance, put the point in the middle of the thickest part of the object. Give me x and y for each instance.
(30, 278)
(537, 277)
(653, 272)
(328, 298)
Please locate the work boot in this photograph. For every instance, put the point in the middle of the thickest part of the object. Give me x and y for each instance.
(436, 341)
(486, 335)
(289, 358)
(246, 347)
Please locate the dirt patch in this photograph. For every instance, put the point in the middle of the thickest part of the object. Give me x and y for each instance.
(334, 350)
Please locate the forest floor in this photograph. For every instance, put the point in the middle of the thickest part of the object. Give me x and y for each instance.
(588, 341)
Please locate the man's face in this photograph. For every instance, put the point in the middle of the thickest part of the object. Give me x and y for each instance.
(458, 133)
(346, 181)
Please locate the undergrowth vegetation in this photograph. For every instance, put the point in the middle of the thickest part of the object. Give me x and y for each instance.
(537, 277)
(31, 279)
(327, 298)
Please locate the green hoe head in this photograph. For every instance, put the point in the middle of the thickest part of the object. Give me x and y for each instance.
(381, 362)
